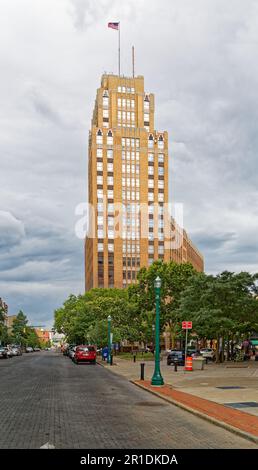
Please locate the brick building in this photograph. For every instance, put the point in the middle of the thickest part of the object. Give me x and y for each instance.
(129, 221)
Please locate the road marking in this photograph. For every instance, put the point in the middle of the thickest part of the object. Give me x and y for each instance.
(47, 446)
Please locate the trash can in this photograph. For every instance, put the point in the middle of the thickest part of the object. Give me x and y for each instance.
(198, 363)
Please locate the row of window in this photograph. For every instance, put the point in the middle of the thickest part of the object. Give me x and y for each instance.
(131, 248)
(130, 195)
(125, 116)
(130, 235)
(129, 275)
(124, 103)
(134, 169)
(130, 142)
(110, 247)
(126, 124)
(160, 184)
(110, 193)
(160, 249)
(110, 207)
(110, 180)
(100, 153)
(160, 223)
(131, 182)
(99, 137)
(110, 166)
(131, 222)
(160, 197)
(130, 155)
(131, 262)
(110, 233)
(123, 89)
(160, 157)
(160, 170)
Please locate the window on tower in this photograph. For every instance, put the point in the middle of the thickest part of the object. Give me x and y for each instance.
(109, 138)
(99, 138)
(151, 141)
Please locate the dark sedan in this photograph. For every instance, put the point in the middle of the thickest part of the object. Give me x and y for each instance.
(176, 356)
(3, 353)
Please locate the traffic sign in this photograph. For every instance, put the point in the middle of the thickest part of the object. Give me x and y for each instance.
(187, 325)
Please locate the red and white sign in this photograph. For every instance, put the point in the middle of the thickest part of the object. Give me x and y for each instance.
(187, 325)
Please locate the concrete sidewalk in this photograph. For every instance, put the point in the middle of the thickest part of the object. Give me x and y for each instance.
(226, 393)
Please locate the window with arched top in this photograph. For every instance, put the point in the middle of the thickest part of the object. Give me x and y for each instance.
(109, 138)
(105, 93)
(99, 139)
(161, 142)
(151, 141)
(146, 103)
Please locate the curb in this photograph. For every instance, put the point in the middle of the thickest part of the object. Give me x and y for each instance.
(208, 418)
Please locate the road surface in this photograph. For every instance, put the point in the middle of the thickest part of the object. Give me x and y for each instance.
(45, 398)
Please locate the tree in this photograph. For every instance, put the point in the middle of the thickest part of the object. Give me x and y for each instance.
(175, 277)
(220, 306)
(19, 328)
(84, 318)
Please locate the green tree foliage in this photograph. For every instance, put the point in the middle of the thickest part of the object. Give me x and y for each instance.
(84, 318)
(221, 306)
(19, 328)
(175, 278)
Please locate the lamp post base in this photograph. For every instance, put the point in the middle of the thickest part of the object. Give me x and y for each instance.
(157, 380)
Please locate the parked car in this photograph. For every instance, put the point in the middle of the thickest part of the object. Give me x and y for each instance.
(70, 350)
(29, 349)
(3, 353)
(36, 349)
(85, 353)
(208, 353)
(9, 352)
(16, 350)
(176, 355)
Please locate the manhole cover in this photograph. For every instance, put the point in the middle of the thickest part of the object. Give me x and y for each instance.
(244, 404)
(231, 387)
(150, 403)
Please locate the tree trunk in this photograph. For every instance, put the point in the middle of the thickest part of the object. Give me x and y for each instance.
(223, 349)
(232, 347)
(217, 350)
(173, 339)
(228, 348)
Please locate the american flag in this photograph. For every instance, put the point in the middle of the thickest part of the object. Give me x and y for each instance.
(113, 25)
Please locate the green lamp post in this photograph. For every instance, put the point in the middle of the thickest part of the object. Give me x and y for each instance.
(109, 340)
(157, 379)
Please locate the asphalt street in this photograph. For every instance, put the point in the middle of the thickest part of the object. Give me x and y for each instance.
(45, 398)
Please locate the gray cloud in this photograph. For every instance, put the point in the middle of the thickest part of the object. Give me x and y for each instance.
(11, 231)
(199, 58)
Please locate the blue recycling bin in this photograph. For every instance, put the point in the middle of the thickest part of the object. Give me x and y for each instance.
(104, 353)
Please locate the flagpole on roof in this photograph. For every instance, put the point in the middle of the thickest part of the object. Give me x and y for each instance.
(119, 48)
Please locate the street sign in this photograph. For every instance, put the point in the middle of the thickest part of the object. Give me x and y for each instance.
(187, 325)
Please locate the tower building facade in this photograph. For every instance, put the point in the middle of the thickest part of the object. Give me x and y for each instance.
(129, 224)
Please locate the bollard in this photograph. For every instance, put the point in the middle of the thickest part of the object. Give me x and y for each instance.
(134, 358)
(111, 359)
(175, 366)
(142, 370)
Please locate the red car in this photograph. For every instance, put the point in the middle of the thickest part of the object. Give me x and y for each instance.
(84, 353)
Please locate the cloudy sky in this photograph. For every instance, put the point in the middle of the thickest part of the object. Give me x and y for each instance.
(198, 57)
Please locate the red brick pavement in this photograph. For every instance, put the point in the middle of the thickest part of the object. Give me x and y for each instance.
(239, 419)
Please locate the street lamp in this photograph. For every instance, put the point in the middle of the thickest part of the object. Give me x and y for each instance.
(157, 379)
(109, 340)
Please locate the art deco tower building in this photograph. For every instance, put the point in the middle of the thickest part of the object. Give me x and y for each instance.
(128, 188)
